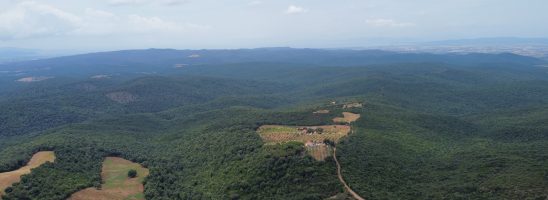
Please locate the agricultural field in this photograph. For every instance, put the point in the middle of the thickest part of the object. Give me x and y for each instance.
(116, 183)
(275, 134)
(319, 151)
(9, 178)
(348, 118)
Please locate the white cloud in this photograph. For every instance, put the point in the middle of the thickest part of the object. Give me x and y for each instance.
(173, 2)
(31, 19)
(98, 22)
(125, 2)
(254, 3)
(387, 23)
(141, 2)
(292, 9)
(139, 23)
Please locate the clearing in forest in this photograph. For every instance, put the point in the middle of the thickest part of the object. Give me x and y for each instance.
(348, 118)
(318, 151)
(33, 79)
(274, 134)
(352, 105)
(321, 112)
(122, 97)
(9, 178)
(116, 183)
(312, 137)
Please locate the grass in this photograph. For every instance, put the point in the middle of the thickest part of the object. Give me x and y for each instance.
(9, 178)
(117, 184)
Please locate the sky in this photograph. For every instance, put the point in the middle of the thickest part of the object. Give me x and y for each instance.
(205, 24)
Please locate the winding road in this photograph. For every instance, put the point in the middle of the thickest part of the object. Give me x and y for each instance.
(339, 174)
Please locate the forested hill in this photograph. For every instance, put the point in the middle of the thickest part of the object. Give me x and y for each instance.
(432, 126)
(165, 60)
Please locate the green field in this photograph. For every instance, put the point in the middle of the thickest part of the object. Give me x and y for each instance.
(116, 183)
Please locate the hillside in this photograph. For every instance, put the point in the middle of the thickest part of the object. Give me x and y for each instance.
(165, 61)
(432, 126)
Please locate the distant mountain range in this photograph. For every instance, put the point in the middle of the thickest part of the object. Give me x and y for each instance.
(537, 47)
(534, 47)
(498, 41)
(170, 60)
(12, 54)
(9, 54)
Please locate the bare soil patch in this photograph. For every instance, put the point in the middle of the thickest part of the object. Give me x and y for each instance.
(101, 76)
(33, 79)
(318, 151)
(321, 112)
(179, 65)
(9, 178)
(117, 185)
(352, 105)
(348, 118)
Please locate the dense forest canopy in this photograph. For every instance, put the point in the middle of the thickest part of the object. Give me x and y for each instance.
(433, 126)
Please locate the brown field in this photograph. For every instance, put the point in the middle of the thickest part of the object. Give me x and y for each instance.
(116, 186)
(319, 151)
(9, 178)
(273, 134)
(348, 118)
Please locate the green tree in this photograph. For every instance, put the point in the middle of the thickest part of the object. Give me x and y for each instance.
(132, 173)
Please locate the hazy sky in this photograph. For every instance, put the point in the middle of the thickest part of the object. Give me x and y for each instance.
(122, 24)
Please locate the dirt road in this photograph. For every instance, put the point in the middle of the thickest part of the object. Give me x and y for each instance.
(339, 174)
